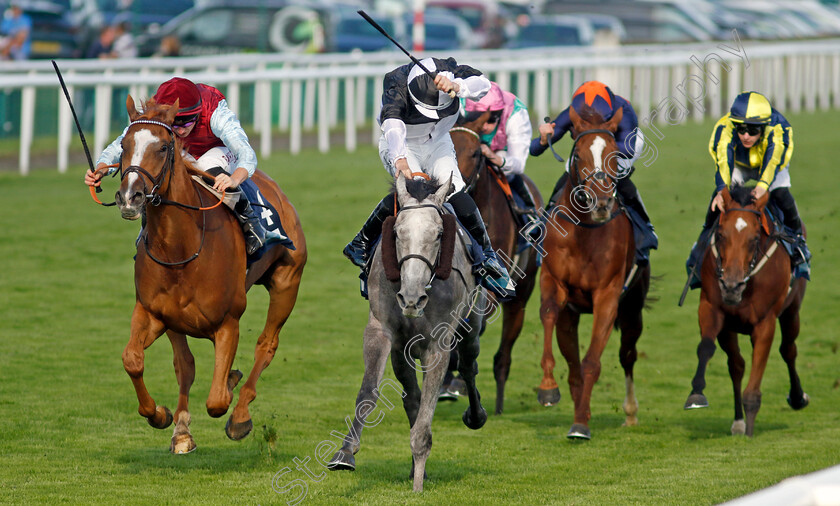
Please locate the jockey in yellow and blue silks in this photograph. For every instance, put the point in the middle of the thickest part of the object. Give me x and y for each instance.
(597, 97)
(754, 142)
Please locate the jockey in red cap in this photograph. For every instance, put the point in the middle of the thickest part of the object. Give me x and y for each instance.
(214, 140)
(505, 138)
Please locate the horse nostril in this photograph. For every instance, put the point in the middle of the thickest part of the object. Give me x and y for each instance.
(138, 196)
(401, 300)
(118, 198)
(421, 302)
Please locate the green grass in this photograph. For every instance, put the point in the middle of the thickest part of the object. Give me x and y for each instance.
(70, 432)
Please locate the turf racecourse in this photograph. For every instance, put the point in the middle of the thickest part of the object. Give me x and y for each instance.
(70, 432)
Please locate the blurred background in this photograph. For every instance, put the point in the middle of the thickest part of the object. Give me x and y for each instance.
(297, 67)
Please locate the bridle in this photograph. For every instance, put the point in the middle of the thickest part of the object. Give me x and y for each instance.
(579, 190)
(432, 266)
(469, 183)
(758, 261)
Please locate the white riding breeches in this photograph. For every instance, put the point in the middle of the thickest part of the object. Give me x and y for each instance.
(740, 176)
(435, 158)
(219, 156)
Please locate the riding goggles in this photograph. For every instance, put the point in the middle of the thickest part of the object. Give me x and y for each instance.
(185, 121)
(743, 128)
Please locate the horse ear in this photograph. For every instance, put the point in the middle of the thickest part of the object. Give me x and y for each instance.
(172, 112)
(575, 118)
(727, 198)
(132, 109)
(402, 194)
(444, 190)
(612, 124)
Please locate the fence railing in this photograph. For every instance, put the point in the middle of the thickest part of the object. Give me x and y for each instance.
(291, 94)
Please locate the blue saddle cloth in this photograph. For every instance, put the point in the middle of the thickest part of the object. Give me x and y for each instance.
(644, 237)
(269, 218)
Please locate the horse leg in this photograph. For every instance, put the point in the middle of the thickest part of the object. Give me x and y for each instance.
(605, 310)
(512, 320)
(549, 393)
(283, 290)
(376, 346)
(406, 374)
(729, 343)
(630, 324)
(789, 323)
(567, 341)
(182, 440)
(762, 340)
(433, 360)
(225, 341)
(711, 323)
(468, 348)
(145, 329)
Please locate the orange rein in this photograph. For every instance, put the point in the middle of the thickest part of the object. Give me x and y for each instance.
(217, 204)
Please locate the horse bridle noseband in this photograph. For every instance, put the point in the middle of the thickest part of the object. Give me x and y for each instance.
(432, 266)
(755, 264)
(598, 175)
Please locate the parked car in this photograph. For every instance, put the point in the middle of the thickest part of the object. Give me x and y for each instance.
(490, 23)
(443, 31)
(54, 34)
(547, 31)
(350, 32)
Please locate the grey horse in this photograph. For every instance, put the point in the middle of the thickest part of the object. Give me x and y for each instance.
(418, 316)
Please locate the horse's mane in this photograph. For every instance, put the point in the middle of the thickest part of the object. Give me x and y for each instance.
(419, 189)
(742, 195)
(153, 111)
(590, 115)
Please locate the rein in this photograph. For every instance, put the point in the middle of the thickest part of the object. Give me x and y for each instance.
(755, 264)
(432, 266)
(598, 175)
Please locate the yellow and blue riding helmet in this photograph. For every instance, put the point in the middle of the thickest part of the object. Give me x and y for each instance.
(751, 108)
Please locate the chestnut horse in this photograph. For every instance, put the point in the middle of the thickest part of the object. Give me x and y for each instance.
(745, 287)
(190, 273)
(503, 230)
(589, 268)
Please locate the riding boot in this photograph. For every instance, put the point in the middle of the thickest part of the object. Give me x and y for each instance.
(631, 198)
(786, 204)
(552, 201)
(692, 265)
(529, 218)
(251, 226)
(359, 249)
(493, 274)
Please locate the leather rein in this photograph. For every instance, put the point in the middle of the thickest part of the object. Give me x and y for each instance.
(755, 264)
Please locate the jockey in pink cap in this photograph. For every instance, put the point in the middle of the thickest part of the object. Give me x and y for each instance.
(505, 138)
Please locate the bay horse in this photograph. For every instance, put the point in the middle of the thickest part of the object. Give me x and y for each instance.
(503, 229)
(424, 303)
(745, 287)
(190, 273)
(589, 267)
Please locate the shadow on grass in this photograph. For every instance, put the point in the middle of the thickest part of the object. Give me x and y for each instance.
(208, 457)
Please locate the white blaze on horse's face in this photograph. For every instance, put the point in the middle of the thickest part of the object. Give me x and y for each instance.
(740, 224)
(597, 149)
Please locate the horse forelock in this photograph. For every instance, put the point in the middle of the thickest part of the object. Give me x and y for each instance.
(589, 115)
(419, 189)
(742, 195)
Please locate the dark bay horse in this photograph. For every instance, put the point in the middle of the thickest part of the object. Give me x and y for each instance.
(589, 268)
(503, 230)
(423, 304)
(745, 287)
(190, 273)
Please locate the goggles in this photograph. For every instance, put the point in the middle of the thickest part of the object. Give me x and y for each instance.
(185, 121)
(743, 128)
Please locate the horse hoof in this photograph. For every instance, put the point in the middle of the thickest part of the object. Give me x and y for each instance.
(237, 431)
(446, 395)
(696, 401)
(182, 444)
(548, 397)
(167, 418)
(801, 403)
(233, 379)
(477, 423)
(342, 461)
(579, 431)
(739, 428)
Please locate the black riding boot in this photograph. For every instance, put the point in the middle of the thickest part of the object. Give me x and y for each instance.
(784, 200)
(251, 226)
(552, 200)
(358, 251)
(528, 218)
(692, 266)
(495, 276)
(631, 198)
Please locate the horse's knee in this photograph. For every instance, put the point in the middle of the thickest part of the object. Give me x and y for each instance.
(706, 349)
(752, 401)
(133, 362)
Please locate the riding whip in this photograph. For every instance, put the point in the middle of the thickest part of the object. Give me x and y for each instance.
(383, 32)
(76, 119)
